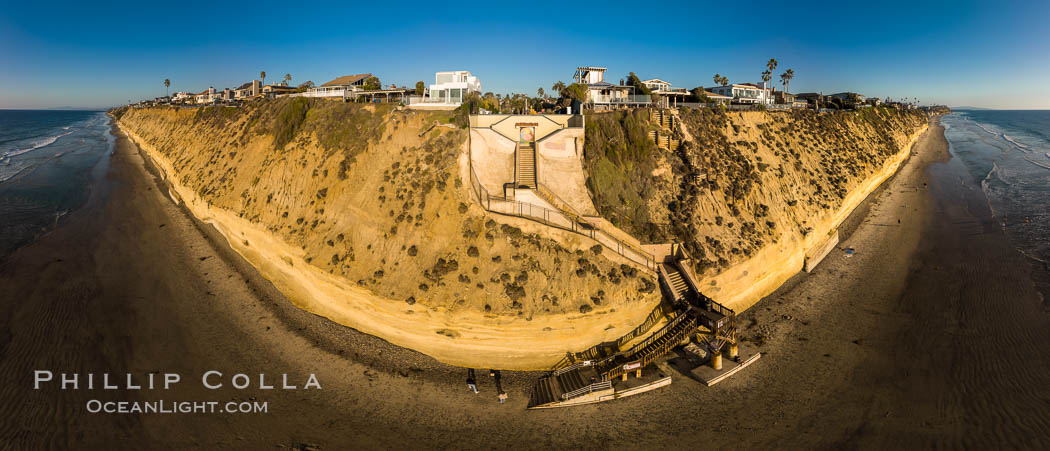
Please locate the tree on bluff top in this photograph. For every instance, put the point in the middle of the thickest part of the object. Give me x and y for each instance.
(372, 84)
(575, 91)
(639, 87)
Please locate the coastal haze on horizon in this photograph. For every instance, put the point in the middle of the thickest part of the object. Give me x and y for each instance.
(75, 55)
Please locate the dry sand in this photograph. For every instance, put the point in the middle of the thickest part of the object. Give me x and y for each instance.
(931, 335)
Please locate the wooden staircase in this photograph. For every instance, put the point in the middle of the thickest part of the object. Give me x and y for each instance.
(564, 384)
(525, 174)
(666, 120)
(664, 140)
(654, 347)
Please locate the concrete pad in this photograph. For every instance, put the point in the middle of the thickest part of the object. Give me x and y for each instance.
(709, 376)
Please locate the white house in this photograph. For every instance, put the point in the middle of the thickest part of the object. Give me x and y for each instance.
(668, 95)
(452, 87)
(741, 93)
(448, 91)
(206, 96)
(181, 97)
(602, 93)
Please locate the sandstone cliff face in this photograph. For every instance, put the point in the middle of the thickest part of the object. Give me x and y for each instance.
(363, 214)
(748, 193)
(358, 215)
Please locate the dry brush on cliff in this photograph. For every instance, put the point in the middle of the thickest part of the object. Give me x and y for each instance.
(743, 180)
(368, 199)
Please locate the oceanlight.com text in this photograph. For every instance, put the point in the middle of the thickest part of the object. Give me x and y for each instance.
(162, 407)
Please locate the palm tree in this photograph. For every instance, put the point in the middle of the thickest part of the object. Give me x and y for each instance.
(539, 92)
(167, 83)
(287, 78)
(720, 80)
(786, 77)
(262, 75)
(558, 87)
(771, 64)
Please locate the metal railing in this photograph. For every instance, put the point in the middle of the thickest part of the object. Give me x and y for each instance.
(630, 99)
(597, 386)
(561, 220)
(563, 370)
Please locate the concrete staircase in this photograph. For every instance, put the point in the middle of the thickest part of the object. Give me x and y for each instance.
(525, 173)
(678, 287)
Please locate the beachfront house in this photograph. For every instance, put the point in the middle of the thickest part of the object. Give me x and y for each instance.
(717, 99)
(848, 99)
(182, 97)
(448, 91)
(204, 97)
(602, 94)
(341, 87)
(666, 95)
(743, 93)
(783, 98)
(276, 89)
(250, 89)
(813, 100)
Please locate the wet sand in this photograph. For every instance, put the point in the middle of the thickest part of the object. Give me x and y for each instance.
(930, 335)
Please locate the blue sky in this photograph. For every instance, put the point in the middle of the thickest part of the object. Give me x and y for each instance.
(80, 54)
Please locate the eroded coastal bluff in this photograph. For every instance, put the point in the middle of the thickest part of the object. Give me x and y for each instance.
(366, 214)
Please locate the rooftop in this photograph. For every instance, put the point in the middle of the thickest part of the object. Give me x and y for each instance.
(347, 80)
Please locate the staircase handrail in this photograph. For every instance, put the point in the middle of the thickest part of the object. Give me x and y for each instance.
(647, 325)
(663, 331)
(557, 202)
(597, 386)
(580, 364)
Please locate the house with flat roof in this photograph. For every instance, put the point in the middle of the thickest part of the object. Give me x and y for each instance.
(666, 94)
(849, 99)
(717, 98)
(602, 94)
(448, 91)
(182, 97)
(275, 89)
(745, 93)
(204, 97)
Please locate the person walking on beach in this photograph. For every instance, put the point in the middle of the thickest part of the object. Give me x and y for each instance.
(471, 383)
(499, 385)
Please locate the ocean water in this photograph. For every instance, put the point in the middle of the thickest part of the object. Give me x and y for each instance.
(47, 160)
(1009, 152)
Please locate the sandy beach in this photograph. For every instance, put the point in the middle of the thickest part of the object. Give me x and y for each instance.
(930, 335)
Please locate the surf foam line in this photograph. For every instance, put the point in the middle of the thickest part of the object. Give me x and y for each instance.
(36, 145)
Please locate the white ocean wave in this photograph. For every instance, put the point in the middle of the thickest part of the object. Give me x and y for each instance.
(37, 144)
(1016, 144)
(1042, 165)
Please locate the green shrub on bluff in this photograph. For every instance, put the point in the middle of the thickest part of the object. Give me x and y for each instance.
(619, 158)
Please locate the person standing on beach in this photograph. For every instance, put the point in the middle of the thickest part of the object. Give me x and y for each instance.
(471, 383)
(499, 385)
